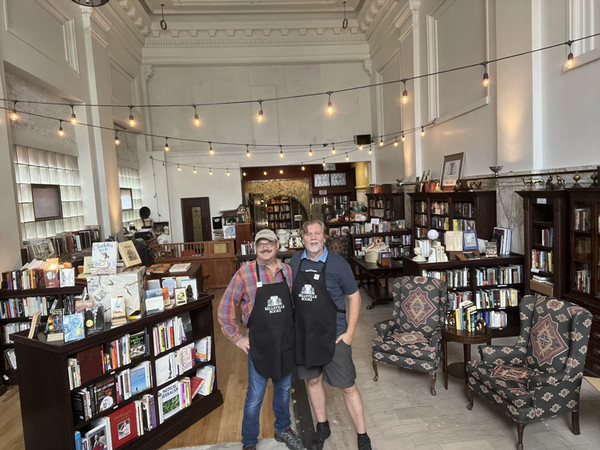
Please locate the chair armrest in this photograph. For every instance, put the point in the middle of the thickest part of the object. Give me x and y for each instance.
(548, 379)
(436, 338)
(385, 328)
(502, 354)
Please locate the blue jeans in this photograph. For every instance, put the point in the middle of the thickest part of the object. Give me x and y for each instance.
(257, 385)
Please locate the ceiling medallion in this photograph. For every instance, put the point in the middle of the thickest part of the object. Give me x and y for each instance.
(91, 3)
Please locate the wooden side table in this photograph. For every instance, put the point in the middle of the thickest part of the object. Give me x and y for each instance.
(467, 338)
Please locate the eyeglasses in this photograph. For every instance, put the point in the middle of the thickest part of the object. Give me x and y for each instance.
(267, 244)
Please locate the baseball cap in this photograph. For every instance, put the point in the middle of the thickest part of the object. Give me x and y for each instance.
(269, 235)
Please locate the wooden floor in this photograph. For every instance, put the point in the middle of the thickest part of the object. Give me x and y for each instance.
(222, 425)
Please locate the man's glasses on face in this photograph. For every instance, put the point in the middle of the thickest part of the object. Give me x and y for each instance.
(265, 244)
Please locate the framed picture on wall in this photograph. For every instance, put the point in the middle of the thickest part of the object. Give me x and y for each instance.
(451, 170)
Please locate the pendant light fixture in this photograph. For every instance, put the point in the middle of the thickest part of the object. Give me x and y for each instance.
(91, 3)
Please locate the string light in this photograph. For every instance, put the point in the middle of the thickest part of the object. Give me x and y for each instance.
(61, 132)
(265, 173)
(310, 150)
(167, 144)
(370, 150)
(329, 104)
(73, 116)
(280, 151)
(323, 162)
(486, 77)
(403, 137)
(244, 173)
(381, 142)
(210, 149)
(404, 92)
(131, 118)
(303, 168)
(178, 168)
(396, 142)
(333, 148)
(195, 171)
(281, 171)
(248, 151)
(117, 140)
(260, 112)
(570, 58)
(13, 112)
(209, 171)
(360, 147)
(197, 121)
(228, 174)
(347, 157)
(422, 130)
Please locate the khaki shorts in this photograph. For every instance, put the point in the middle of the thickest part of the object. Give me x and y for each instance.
(339, 372)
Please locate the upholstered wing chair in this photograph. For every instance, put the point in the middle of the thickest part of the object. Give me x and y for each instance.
(412, 339)
(541, 375)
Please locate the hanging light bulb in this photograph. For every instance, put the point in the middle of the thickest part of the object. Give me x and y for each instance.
(570, 58)
(333, 148)
(260, 112)
(422, 130)
(404, 93)
(13, 112)
(167, 144)
(228, 174)
(370, 150)
(61, 132)
(131, 118)
(303, 168)
(265, 173)
(197, 121)
(248, 151)
(329, 104)
(323, 162)
(396, 142)
(280, 151)
(310, 150)
(381, 142)
(244, 173)
(347, 157)
(360, 147)
(195, 171)
(117, 140)
(281, 171)
(210, 149)
(178, 168)
(73, 116)
(403, 137)
(486, 80)
(209, 171)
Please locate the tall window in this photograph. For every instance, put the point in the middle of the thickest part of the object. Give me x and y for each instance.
(131, 196)
(48, 192)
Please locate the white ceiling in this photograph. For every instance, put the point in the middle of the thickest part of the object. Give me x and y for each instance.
(202, 7)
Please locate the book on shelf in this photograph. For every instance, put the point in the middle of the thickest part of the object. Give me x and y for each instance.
(94, 319)
(503, 236)
(140, 377)
(203, 349)
(55, 326)
(166, 368)
(96, 438)
(123, 425)
(67, 277)
(51, 279)
(104, 421)
(180, 296)
(191, 282)
(105, 393)
(129, 254)
(91, 363)
(74, 327)
(196, 385)
(152, 284)
(104, 258)
(35, 320)
(170, 283)
(117, 311)
(169, 401)
(138, 344)
(180, 267)
(158, 268)
(206, 372)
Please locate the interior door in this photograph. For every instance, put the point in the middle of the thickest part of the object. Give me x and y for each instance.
(195, 216)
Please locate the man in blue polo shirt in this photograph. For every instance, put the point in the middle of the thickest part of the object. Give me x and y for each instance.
(322, 281)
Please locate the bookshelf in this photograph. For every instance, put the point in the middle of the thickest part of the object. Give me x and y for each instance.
(47, 409)
(446, 211)
(386, 206)
(584, 284)
(545, 238)
(398, 240)
(493, 285)
(14, 315)
(279, 213)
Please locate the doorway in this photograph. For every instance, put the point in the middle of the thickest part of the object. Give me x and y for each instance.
(195, 217)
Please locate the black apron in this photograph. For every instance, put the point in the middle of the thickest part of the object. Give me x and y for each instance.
(316, 315)
(271, 329)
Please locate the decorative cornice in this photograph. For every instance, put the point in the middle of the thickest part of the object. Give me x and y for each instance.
(316, 40)
(136, 15)
(100, 20)
(368, 67)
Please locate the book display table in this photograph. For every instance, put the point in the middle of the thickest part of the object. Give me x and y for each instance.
(466, 338)
(377, 272)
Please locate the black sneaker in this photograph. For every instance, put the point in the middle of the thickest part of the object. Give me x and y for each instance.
(249, 447)
(290, 438)
(364, 442)
(322, 432)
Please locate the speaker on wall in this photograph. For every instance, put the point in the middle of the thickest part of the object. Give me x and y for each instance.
(362, 139)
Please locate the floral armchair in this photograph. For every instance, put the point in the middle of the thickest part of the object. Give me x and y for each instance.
(412, 339)
(541, 375)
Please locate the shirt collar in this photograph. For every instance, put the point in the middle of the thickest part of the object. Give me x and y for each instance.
(265, 267)
(321, 258)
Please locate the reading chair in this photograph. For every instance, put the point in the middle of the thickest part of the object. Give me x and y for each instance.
(412, 339)
(541, 375)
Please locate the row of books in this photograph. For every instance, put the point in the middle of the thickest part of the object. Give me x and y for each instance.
(179, 395)
(459, 299)
(10, 358)
(490, 276)
(174, 364)
(12, 308)
(441, 223)
(107, 393)
(440, 208)
(11, 328)
(467, 318)
(547, 236)
(541, 260)
(454, 278)
(170, 333)
(463, 224)
(61, 244)
(581, 280)
(466, 209)
(503, 237)
(496, 298)
(119, 427)
(582, 219)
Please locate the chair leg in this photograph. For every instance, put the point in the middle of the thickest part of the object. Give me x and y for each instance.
(470, 399)
(376, 377)
(433, 378)
(520, 428)
(575, 422)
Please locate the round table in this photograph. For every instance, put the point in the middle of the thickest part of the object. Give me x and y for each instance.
(467, 338)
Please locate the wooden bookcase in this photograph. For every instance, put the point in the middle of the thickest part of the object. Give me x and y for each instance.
(46, 406)
(584, 286)
(446, 211)
(397, 241)
(546, 241)
(468, 270)
(279, 213)
(386, 206)
(50, 294)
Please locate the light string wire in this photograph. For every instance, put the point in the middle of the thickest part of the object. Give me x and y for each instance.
(71, 104)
